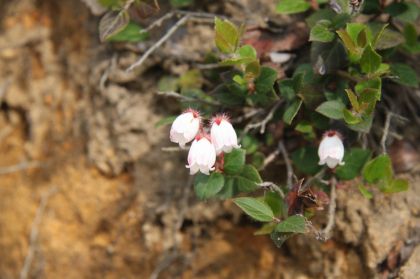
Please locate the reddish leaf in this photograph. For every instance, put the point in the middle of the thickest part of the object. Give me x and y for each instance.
(322, 197)
(146, 8)
(294, 204)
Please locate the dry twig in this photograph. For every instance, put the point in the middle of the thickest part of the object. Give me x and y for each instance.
(332, 206)
(183, 98)
(21, 166)
(290, 173)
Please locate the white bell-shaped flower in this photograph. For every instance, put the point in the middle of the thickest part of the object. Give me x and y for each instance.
(331, 150)
(202, 155)
(185, 127)
(223, 135)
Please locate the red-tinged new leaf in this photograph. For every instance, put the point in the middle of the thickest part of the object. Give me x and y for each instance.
(112, 23)
(348, 41)
(294, 204)
(146, 8)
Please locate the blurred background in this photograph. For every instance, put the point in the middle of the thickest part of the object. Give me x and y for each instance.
(86, 190)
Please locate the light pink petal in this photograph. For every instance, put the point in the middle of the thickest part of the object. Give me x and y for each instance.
(217, 136)
(193, 169)
(191, 129)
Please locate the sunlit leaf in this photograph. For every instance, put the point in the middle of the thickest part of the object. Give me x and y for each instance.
(112, 23)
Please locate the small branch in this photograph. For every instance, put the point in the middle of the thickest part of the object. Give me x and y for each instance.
(158, 43)
(21, 166)
(380, 129)
(269, 116)
(34, 232)
(289, 167)
(332, 207)
(175, 149)
(273, 187)
(186, 99)
(320, 174)
(270, 158)
(106, 73)
(157, 22)
(386, 129)
(246, 115)
(348, 76)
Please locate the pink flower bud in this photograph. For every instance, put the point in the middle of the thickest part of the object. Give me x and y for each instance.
(185, 127)
(202, 155)
(223, 135)
(331, 150)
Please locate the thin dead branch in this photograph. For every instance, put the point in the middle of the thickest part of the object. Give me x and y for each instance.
(317, 176)
(21, 166)
(331, 207)
(290, 173)
(273, 187)
(183, 98)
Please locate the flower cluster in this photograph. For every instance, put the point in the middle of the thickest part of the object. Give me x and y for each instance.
(331, 149)
(205, 147)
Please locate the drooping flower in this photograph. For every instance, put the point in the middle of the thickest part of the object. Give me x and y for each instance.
(223, 135)
(185, 127)
(202, 155)
(331, 150)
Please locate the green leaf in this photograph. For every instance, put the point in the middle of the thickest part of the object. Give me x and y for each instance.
(225, 96)
(365, 192)
(298, 82)
(332, 109)
(234, 161)
(377, 29)
(411, 49)
(363, 126)
(306, 129)
(286, 89)
(292, 6)
(168, 83)
(250, 143)
(375, 83)
(353, 100)
(405, 11)
(234, 87)
(389, 38)
(306, 159)
(406, 74)
(295, 224)
(255, 208)
(129, 34)
(112, 23)
(312, 95)
(146, 8)
(323, 14)
(253, 69)
(372, 7)
(410, 34)
(266, 79)
(280, 237)
(397, 185)
(340, 21)
(291, 111)
(166, 120)
(370, 60)
(266, 229)
(206, 186)
(226, 35)
(108, 3)
(369, 96)
(181, 3)
(229, 190)
(354, 161)
(351, 118)
(319, 121)
(263, 100)
(376, 171)
(335, 89)
(239, 80)
(237, 61)
(191, 79)
(321, 33)
(248, 51)
(348, 41)
(328, 57)
(362, 38)
(274, 201)
(309, 72)
(353, 29)
(247, 178)
(258, 160)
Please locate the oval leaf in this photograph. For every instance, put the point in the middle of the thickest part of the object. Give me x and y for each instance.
(206, 186)
(295, 224)
(255, 208)
(112, 23)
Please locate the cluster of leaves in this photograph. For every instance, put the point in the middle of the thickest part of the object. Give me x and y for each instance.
(341, 86)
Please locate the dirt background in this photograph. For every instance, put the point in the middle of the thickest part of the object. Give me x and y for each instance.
(116, 205)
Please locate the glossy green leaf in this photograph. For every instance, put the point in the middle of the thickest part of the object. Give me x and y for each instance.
(351, 118)
(237, 61)
(291, 111)
(306, 159)
(375, 83)
(112, 23)
(258, 160)
(247, 178)
(247, 51)
(266, 229)
(280, 237)
(370, 60)
(369, 96)
(365, 192)
(348, 41)
(362, 38)
(265, 81)
(410, 34)
(226, 36)
(295, 224)
(354, 161)
(405, 11)
(375, 171)
(406, 74)
(234, 161)
(353, 29)
(363, 126)
(166, 120)
(332, 109)
(286, 89)
(206, 186)
(397, 185)
(292, 6)
(230, 189)
(321, 33)
(255, 208)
